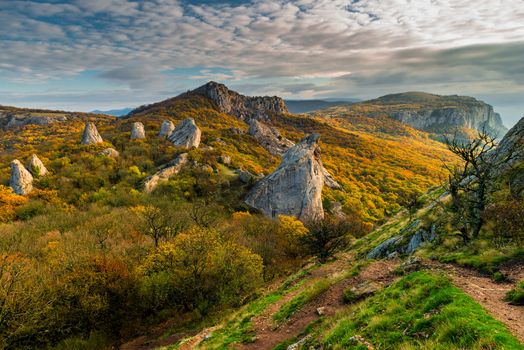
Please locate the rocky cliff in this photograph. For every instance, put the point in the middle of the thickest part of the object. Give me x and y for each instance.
(12, 118)
(269, 137)
(243, 107)
(295, 187)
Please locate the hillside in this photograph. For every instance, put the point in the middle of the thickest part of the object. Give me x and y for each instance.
(305, 106)
(107, 261)
(441, 115)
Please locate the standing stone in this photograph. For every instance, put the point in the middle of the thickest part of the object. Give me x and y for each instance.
(137, 131)
(166, 129)
(186, 134)
(295, 187)
(21, 179)
(91, 135)
(36, 167)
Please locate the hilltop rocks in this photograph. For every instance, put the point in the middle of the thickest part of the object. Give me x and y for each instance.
(91, 135)
(109, 152)
(186, 134)
(21, 180)
(36, 167)
(137, 131)
(166, 129)
(295, 187)
(13, 119)
(172, 168)
(241, 106)
(269, 137)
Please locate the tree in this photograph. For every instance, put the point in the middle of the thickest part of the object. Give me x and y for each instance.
(470, 182)
(158, 223)
(327, 236)
(412, 203)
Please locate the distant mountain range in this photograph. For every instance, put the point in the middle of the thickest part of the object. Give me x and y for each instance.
(114, 112)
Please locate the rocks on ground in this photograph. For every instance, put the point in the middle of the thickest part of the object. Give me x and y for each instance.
(269, 137)
(109, 152)
(295, 187)
(166, 129)
(186, 134)
(91, 135)
(21, 179)
(36, 167)
(137, 131)
(171, 168)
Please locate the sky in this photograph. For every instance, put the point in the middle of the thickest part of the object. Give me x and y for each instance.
(102, 54)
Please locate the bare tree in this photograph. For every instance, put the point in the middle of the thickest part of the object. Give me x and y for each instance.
(470, 182)
(158, 224)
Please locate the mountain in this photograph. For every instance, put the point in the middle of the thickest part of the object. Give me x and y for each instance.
(114, 112)
(441, 115)
(305, 106)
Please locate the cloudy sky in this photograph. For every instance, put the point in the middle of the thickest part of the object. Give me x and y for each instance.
(102, 54)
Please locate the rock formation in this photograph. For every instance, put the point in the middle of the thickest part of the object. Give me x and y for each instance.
(269, 137)
(166, 128)
(91, 135)
(21, 179)
(36, 167)
(12, 119)
(137, 131)
(295, 187)
(442, 114)
(186, 134)
(241, 106)
(172, 168)
(109, 152)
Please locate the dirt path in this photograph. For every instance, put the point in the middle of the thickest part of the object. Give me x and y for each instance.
(267, 337)
(490, 294)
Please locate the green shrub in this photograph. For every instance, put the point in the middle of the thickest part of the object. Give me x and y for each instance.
(516, 296)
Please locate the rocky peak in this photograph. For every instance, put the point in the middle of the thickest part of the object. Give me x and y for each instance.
(295, 187)
(269, 137)
(137, 131)
(186, 134)
(166, 128)
(91, 135)
(243, 107)
(21, 179)
(36, 167)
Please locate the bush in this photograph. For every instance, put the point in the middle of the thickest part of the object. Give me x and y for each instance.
(516, 296)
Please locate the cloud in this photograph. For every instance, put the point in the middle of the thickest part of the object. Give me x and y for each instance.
(331, 46)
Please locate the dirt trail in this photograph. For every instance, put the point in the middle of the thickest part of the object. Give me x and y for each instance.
(490, 294)
(267, 337)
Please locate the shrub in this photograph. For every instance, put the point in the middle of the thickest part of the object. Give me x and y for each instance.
(516, 296)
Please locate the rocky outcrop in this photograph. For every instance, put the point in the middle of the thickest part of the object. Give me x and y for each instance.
(137, 131)
(91, 135)
(109, 152)
(36, 167)
(21, 179)
(166, 129)
(408, 241)
(241, 106)
(172, 168)
(269, 137)
(186, 134)
(11, 119)
(295, 187)
(443, 114)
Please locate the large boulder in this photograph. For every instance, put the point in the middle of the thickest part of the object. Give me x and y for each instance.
(21, 179)
(36, 167)
(186, 134)
(172, 168)
(295, 187)
(166, 129)
(137, 131)
(91, 135)
(269, 137)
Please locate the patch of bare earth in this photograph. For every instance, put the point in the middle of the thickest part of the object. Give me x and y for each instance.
(267, 336)
(490, 294)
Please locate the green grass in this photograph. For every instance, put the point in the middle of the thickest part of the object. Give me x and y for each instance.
(301, 299)
(516, 295)
(420, 311)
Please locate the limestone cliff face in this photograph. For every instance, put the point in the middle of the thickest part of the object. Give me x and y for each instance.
(11, 120)
(269, 137)
(435, 113)
(21, 179)
(243, 107)
(186, 134)
(295, 187)
(91, 135)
